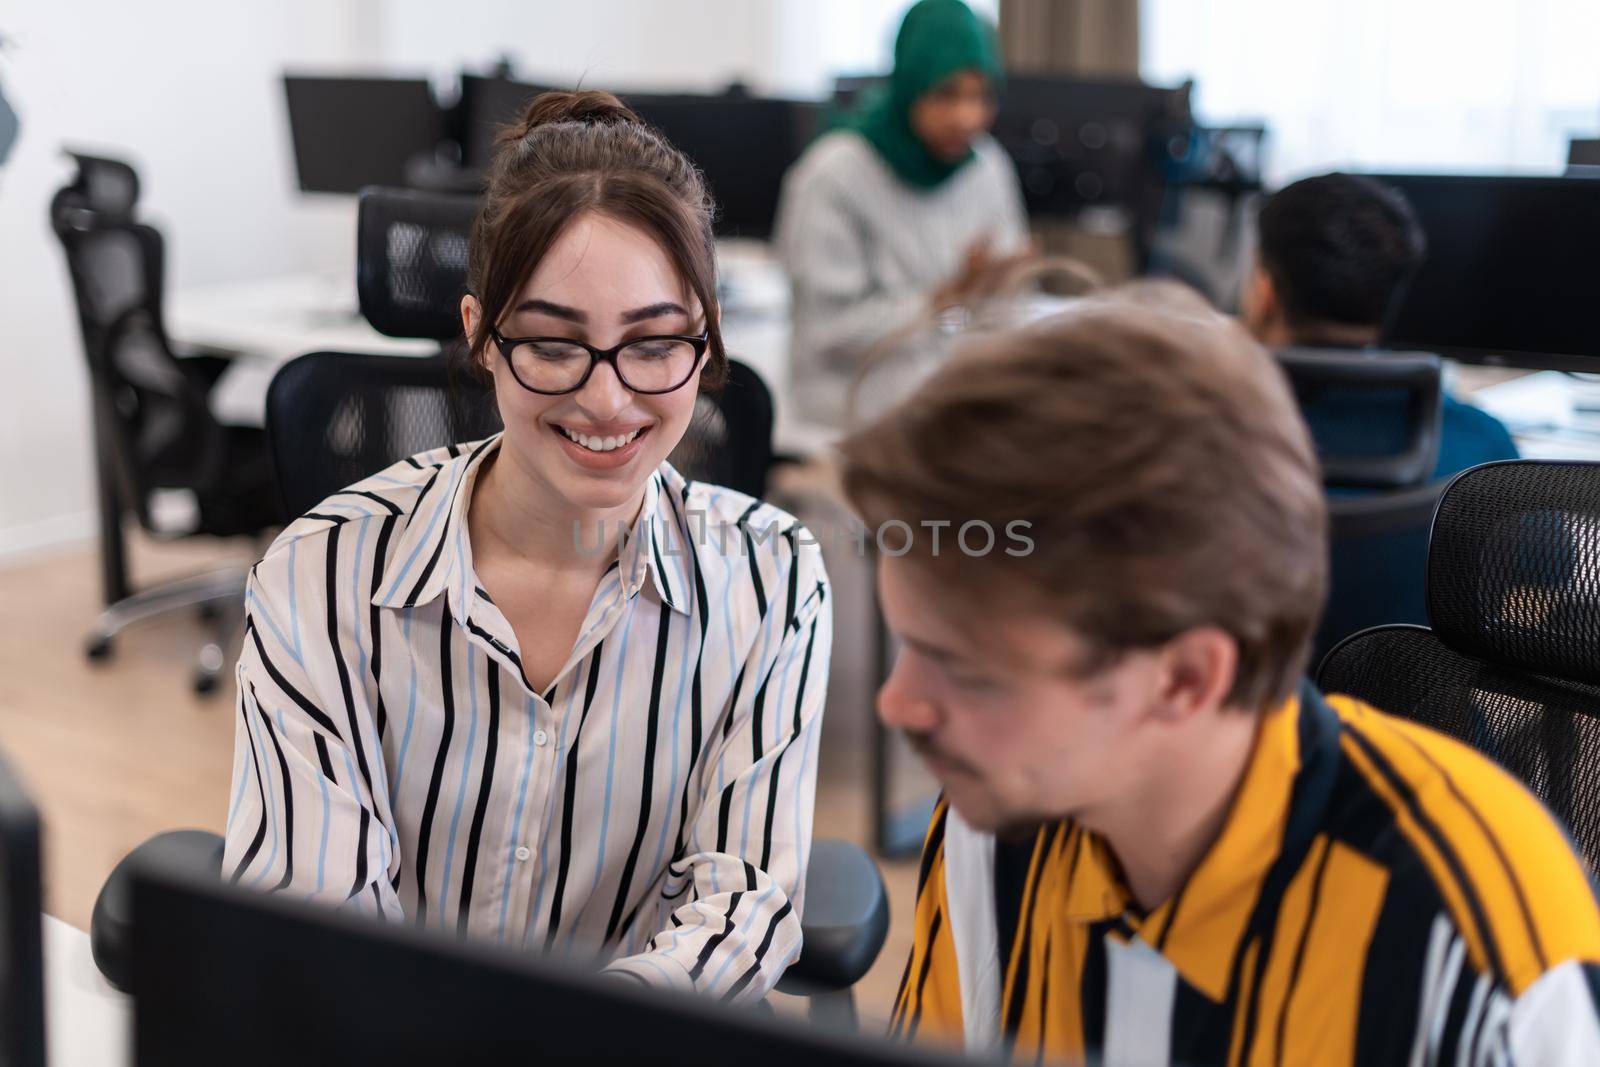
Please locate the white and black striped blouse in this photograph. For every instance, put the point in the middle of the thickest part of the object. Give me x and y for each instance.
(652, 807)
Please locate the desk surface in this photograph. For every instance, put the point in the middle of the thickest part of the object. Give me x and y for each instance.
(269, 322)
(1551, 414)
(277, 319)
(87, 1023)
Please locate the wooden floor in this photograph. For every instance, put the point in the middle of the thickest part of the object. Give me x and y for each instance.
(116, 752)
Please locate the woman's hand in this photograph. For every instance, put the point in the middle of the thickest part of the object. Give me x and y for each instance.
(982, 275)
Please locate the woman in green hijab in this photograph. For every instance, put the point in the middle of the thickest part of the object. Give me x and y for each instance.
(903, 208)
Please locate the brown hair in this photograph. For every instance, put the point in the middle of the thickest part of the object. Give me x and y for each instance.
(1159, 457)
(579, 152)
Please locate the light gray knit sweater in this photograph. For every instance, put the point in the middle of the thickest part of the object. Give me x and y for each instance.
(863, 251)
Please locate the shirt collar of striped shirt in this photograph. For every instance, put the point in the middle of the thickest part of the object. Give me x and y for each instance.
(435, 532)
(1197, 929)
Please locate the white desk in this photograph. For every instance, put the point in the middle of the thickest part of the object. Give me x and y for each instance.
(1551, 415)
(271, 321)
(87, 1023)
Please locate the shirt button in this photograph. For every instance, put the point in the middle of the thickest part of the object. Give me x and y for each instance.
(523, 854)
(540, 738)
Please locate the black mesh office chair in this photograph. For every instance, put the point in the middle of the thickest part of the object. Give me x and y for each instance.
(1511, 664)
(335, 417)
(329, 414)
(1380, 503)
(154, 433)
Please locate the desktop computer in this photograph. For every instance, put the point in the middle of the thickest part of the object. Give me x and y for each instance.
(487, 103)
(353, 132)
(21, 955)
(743, 144)
(1583, 156)
(1509, 272)
(229, 975)
(1091, 142)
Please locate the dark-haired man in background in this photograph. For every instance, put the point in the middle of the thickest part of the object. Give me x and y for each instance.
(1333, 257)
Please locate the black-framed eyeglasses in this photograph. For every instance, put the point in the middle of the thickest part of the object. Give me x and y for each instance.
(553, 366)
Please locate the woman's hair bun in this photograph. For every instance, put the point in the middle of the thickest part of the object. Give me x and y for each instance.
(592, 107)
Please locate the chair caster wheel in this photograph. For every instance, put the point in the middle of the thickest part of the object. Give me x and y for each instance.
(98, 649)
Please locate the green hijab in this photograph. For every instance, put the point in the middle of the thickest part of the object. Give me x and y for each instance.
(937, 38)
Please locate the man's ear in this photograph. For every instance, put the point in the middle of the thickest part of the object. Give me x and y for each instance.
(1200, 667)
(1260, 307)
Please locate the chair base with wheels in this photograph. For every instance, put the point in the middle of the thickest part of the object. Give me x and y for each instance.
(219, 597)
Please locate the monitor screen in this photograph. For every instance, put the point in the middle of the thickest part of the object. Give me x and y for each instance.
(1510, 270)
(352, 132)
(21, 955)
(743, 144)
(225, 974)
(1090, 142)
(487, 104)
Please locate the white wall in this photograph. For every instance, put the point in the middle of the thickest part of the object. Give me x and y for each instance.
(1465, 85)
(639, 44)
(189, 91)
(791, 47)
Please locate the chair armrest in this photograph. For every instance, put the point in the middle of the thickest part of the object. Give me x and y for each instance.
(844, 922)
(110, 927)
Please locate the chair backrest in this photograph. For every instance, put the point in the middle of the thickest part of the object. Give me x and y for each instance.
(411, 261)
(1379, 538)
(1512, 662)
(107, 187)
(152, 420)
(730, 440)
(1514, 567)
(1377, 561)
(335, 417)
(1347, 385)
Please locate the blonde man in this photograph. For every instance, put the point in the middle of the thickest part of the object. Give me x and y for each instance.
(1158, 843)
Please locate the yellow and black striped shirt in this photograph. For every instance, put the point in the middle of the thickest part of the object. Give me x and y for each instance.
(1378, 894)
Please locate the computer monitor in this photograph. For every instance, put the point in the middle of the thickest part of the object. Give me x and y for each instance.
(224, 974)
(743, 144)
(21, 956)
(487, 104)
(353, 132)
(1583, 156)
(1509, 273)
(850, 90)
(1091, 142)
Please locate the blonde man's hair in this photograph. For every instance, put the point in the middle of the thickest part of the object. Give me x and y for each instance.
(1161, 462)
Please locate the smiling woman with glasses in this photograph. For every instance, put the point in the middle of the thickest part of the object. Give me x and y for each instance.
(455, 712)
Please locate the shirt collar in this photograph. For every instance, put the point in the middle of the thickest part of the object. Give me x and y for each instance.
(659, 544)
(1214, 906)
(434, 553)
